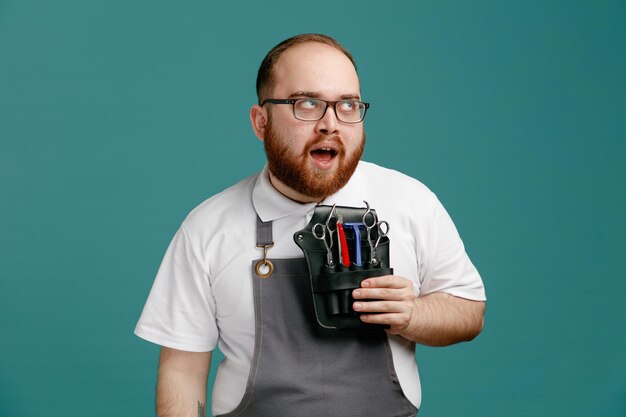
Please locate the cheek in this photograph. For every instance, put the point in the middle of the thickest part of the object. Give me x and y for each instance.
(295, 139)
(287, 125)
(356, 137)
(298, 135)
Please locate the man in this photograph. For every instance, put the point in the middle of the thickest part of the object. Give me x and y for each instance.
(277, 361)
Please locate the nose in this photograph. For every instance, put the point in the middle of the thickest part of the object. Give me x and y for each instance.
(328, 124)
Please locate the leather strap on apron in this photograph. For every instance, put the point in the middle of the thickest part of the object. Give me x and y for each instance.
(300, 369)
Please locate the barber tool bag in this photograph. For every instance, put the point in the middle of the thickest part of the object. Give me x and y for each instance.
(332, 286)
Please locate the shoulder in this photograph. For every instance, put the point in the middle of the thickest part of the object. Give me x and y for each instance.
(395, 183)
(227, 205)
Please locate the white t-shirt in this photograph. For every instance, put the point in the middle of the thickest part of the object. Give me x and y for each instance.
(202, 295)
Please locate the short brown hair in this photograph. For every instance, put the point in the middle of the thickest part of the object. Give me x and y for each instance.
(265, 77)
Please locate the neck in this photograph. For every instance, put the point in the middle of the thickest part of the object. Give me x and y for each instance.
(290, 193)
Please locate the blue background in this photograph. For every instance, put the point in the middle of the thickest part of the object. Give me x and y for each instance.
(118, 117)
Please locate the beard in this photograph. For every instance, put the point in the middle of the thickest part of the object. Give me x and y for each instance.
(293, 170)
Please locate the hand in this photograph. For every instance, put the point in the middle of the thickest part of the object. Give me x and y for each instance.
(393, 302)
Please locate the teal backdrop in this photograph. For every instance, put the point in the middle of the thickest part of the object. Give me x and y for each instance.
(118, 117)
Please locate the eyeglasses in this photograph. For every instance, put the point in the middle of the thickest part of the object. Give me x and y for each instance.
(313, 109)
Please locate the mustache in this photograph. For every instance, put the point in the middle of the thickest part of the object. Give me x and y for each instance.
(335, 140)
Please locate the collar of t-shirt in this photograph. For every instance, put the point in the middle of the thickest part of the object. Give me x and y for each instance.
(270, 204)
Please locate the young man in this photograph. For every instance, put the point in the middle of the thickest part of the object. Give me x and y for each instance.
(277, 361)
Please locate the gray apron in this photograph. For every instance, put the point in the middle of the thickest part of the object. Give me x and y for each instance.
(300, 369)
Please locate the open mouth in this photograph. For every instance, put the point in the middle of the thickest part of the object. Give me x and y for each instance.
(324, 154)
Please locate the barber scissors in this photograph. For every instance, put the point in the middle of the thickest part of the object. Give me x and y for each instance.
(382, 229)
(322, 230)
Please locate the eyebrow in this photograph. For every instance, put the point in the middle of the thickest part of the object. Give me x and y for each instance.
(313, 94)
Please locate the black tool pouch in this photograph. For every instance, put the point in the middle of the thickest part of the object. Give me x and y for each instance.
(332, 287)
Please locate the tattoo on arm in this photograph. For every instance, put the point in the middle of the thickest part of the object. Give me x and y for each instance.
(201, 410)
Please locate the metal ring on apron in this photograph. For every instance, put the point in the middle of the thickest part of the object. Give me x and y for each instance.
(264, 262)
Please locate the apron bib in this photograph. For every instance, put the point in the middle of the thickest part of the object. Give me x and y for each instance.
(300, 369)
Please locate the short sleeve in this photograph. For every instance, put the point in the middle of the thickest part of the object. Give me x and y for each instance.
(180, 310)
(448, 268)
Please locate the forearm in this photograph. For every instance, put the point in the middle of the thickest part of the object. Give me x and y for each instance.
(182, 383)
(440, 319)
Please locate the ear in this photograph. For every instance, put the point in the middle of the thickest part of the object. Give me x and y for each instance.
(258, 118)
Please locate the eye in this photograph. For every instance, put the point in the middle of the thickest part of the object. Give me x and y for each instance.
(348, 106)
(307, 103)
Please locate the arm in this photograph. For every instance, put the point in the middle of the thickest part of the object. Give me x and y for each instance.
(182, 383)
(436, 319)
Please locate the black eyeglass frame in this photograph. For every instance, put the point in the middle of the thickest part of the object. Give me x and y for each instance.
(332, 104)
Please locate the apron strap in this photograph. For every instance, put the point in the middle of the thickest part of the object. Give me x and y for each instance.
(264, 268)
(263, 233)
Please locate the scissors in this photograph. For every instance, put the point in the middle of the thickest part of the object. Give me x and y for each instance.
(320, 230)
(382, 229)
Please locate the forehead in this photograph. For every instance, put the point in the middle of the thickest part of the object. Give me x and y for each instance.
(316, 68)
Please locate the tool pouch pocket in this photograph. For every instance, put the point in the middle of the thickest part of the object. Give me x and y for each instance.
(332, 286)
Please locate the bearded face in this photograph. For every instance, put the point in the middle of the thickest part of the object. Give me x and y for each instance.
(332, 168)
